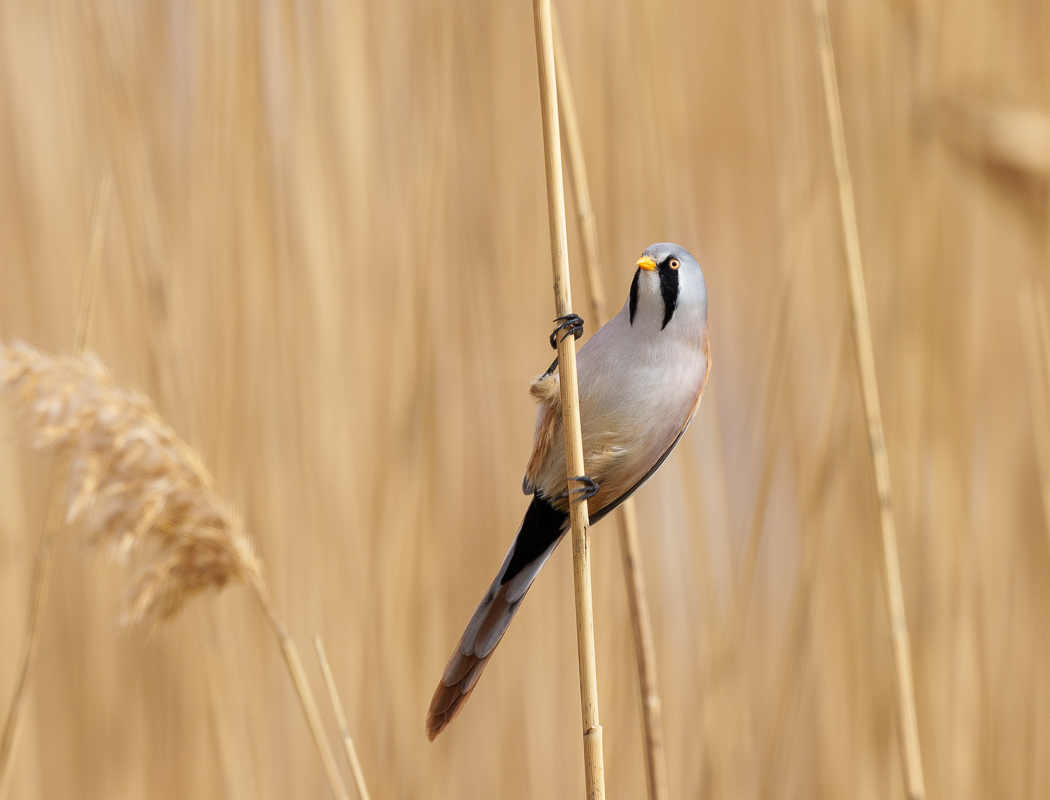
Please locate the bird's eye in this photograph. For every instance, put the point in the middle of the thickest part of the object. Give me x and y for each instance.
(675, 263)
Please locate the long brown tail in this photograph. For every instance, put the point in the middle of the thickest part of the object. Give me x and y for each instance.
(540, 532)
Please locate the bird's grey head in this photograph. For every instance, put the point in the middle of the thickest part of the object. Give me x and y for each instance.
(668, 285)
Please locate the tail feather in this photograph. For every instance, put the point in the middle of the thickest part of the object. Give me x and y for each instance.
(495, 624)
(540, 532)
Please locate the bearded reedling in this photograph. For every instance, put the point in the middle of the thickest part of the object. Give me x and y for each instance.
(641, 377)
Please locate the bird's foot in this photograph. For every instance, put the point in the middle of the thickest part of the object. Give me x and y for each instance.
(572, 324)
(587, 489)
(550, 369)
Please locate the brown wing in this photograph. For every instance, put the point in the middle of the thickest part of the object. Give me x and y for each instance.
(547, 390)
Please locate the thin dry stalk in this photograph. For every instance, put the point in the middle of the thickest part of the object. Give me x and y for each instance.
(302, 687)
(770, 414)
(38, 589)
(911, 757)
(41, 579)
(136, 484)
(340, 716)
(626, 515)
(581, 191)
(1035, 330)
(644, 652)
(594, 768)
(813, 496)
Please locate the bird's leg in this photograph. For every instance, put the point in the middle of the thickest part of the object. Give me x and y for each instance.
(586, 491)
(572, 324)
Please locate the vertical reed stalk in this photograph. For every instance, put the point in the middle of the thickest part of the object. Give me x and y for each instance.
(814, 492)
(626, 516)
(340, 717)
(644, 652)
(41, 580)
(770, 417)
(578, 176)
(1035, 337)
(594, 769)
(907, 720)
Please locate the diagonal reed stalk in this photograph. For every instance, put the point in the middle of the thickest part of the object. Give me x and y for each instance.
(594, 769)
(626, 515)
(340, 717)
(294, 663)
(911, 757)
(41, 580)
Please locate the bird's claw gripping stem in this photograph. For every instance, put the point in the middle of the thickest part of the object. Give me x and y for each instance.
(587, 489)
(571, 324)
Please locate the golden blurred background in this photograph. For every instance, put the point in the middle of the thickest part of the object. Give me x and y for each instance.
(326, 258)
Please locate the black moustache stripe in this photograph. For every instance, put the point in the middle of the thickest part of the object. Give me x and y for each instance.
(634, 293)
(669, 290)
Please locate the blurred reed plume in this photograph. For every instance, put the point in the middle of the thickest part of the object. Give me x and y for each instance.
(1018, 138)
(135, 483)
(130, 478)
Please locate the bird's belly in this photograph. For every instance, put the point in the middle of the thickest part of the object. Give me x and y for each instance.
(629, 416)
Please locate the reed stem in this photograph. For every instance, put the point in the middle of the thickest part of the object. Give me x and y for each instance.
(626, 515)
(594, 769)
(340, 717)
(1035, 337)
(302, 687)
(911, 757)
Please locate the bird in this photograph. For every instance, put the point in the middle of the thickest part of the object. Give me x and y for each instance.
(641, 376)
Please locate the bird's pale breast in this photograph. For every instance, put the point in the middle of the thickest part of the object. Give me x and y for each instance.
(636, 395)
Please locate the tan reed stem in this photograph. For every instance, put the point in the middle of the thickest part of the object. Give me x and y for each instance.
(302, 687)
(581, 191)
(911, 757)
(41, 580)
(770, 420)
(626, 515)
(340, 716)
(644, 652)
(813, 494)
(594, 769)
(1035, 337)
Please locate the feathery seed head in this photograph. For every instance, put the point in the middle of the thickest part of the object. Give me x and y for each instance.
(130, 478)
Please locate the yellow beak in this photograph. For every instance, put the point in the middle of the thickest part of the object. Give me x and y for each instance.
(646, 262)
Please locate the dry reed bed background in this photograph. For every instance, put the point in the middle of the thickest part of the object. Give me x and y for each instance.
(326, 258)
